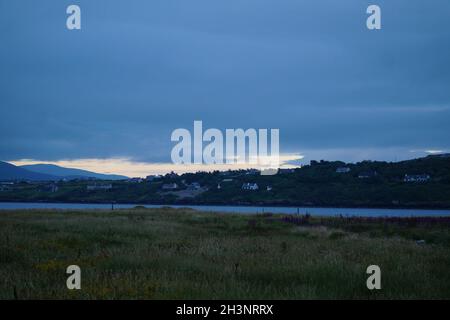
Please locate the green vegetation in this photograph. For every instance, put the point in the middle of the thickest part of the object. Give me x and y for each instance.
(185, 254)
(317, 184)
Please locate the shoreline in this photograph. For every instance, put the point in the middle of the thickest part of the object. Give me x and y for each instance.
(234, 205)
(238, 209)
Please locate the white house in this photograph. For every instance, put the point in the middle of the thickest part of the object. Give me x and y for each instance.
(250, 186)
(170, 186)
(343, 170)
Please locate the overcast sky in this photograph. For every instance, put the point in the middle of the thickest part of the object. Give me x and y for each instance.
(140, 69)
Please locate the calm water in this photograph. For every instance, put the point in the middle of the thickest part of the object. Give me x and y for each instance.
(244, 210)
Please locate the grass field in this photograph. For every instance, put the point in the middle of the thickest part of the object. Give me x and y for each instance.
(184, 254)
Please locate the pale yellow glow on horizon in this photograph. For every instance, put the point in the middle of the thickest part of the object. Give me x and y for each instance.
(129, 168)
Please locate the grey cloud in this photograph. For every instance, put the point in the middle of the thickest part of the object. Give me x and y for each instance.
(138, 70)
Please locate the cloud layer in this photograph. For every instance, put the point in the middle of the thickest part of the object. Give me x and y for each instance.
(138, 70)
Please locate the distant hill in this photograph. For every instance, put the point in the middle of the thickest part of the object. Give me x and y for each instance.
(12, 172)
(69, 173)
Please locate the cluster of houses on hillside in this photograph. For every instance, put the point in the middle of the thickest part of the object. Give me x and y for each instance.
(194, 186)
(250, 186)
(361, 175)
(52, 188)
(416, 178)
(254, 186)
(373, 174)
(6, 186)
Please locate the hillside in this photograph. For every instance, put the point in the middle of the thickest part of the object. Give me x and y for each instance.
(70, 173)
(322, 183)
(12, 172)
(366, 184)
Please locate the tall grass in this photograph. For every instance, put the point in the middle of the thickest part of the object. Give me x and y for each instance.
(183, 254)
